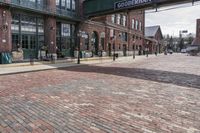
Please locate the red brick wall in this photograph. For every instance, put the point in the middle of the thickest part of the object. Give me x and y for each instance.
(50, 33)
(51, 4)
(5, 30)
(50, 28)
(89, 27)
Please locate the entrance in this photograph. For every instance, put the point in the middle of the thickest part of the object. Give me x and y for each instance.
(124, 49)
(29, 46)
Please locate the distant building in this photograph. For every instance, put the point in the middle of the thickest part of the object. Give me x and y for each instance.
(153, 39)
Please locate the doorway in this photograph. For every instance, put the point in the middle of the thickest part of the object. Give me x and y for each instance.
(29, 46)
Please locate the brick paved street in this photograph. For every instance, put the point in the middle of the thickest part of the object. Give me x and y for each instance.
(159, 94)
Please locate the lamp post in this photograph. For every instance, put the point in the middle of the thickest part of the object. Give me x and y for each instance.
(133, 47)
(78, 36)
(114, 48)
(147, 49)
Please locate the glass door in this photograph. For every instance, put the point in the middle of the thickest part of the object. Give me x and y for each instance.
(29, 46)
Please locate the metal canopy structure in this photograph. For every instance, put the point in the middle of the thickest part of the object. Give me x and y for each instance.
(94, 8)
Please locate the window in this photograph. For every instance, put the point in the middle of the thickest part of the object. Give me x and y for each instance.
(28, 23)
(140, 26)
(68, 4)
(112, 33)
(32, 0)
(124, 20)
(124, 36)
(118, 18)
(15, 41)
(73, 5)
(40, 2)
(63, 3)
(133, 23)
(121, 19)
(58, 3)
(15, 23)
(65, 30)
(25, 41)
(40, 25)
(113, 18)
(136, 24)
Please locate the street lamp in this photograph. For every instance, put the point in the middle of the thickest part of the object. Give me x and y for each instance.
(133, 47)
(147, 49)
(114, 37)
(78, 40)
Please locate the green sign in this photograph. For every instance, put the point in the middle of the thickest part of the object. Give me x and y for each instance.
(130, 3)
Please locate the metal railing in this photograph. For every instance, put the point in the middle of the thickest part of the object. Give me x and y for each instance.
(28, 5)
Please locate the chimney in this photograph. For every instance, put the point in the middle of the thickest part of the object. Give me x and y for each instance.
(198, 31)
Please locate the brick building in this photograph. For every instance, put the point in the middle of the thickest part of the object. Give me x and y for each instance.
(48, 28)
(153, 39)
(119, 32)
(37, 28)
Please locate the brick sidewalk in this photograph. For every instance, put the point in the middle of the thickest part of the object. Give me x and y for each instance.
(39, 66)
(160, 94)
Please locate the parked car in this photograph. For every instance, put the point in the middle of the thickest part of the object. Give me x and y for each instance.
(170, 51)
(183, 51)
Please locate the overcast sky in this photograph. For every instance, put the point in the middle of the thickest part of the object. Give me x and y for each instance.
(172, 21)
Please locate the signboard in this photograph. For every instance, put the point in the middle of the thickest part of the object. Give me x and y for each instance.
(130, 3)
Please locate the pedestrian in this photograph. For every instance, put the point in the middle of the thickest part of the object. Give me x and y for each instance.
(156, 53)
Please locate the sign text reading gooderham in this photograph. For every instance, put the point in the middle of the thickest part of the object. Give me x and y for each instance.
(130, 3)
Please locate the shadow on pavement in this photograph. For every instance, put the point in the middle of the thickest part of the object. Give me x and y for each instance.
(180, 79)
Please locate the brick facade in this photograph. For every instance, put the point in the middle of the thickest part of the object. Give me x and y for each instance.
(50, 33)
(100, 26)
(5, 27)
(103, 26)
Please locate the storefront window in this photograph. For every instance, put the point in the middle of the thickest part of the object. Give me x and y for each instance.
(65, 36)
(66, 4)
(66, 30)
(73, 5)
(31, 34)
(15, 23)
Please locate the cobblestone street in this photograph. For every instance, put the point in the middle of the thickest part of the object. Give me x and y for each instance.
(159, 94)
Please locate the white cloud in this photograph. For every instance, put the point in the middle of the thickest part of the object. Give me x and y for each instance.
(172, 21)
